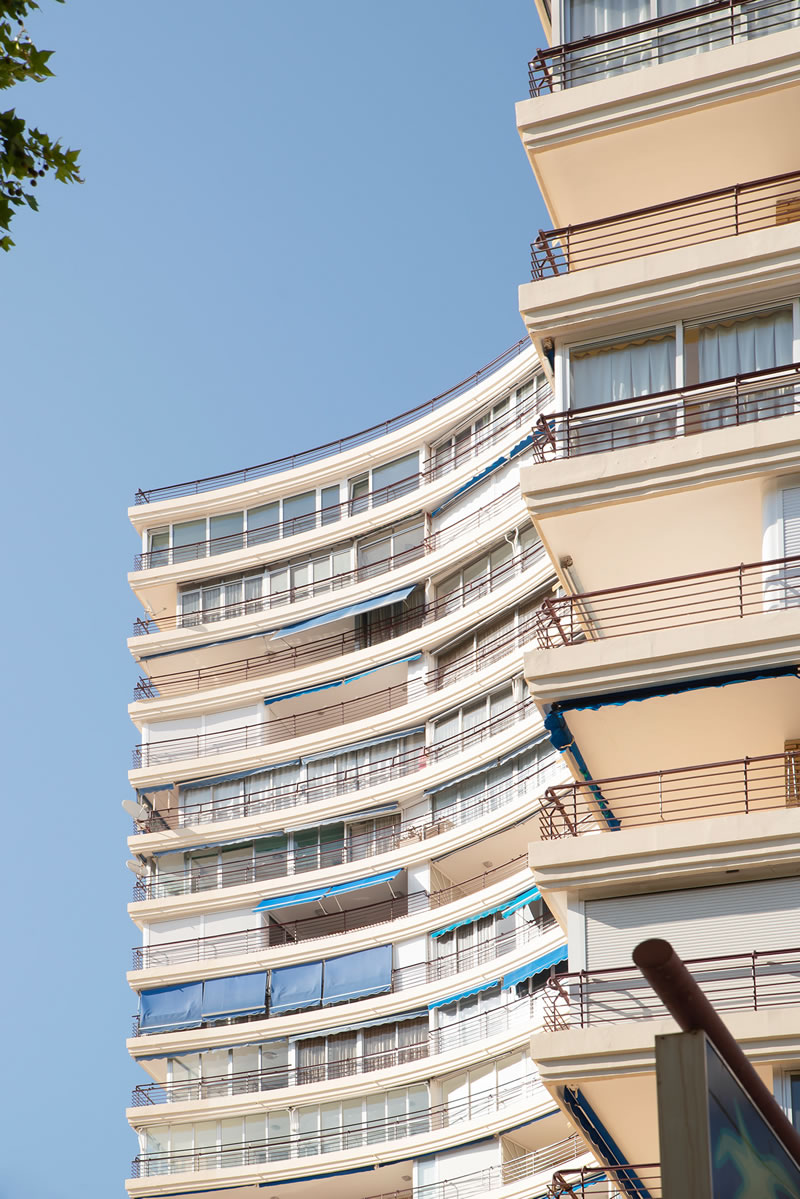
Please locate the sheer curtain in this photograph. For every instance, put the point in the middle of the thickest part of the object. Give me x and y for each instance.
(590, 17)
(607, 374)
(736, 347)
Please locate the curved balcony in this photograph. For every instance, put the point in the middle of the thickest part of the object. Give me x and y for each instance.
(433, 1042)
(663, 39)
(709, 216)
(290, 932)
(600, 428)
(589, 1182)
(745, 787)
(355, 848)
(735, 592)
(734, 982)
(291, 461)
(362, 1134)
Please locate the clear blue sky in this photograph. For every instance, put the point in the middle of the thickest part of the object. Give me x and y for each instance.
(298, 218)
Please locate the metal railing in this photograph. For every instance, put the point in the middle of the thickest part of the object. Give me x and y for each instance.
(709, 216)
(255, 736)
(352, 848)
(290, 461)
(701, 408)
(325, 924)
(432, 1042)
(743, 787)
(352, 1136)
(734, 982)
(662, 39)
(421, 973)
(733, 592)
(605, 1182)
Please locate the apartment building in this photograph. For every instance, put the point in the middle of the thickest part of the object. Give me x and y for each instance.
(666, 493)
(340, 947)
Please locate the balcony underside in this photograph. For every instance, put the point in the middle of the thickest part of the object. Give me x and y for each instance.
(712, 483)
(650, 135)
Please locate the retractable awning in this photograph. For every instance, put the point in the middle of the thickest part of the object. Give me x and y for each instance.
(463, 994)
(535, 967)
(277, 699)
(367, 605)
(356, 884)
(506, 907)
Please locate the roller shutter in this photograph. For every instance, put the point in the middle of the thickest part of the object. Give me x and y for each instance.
(704, 922)
(790, 511)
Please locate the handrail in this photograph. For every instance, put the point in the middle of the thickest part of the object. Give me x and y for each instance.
(643, 44)
(479, 1027)
(278, 933)
(732, 592)
(288, 462)
(436, 1116)
(681, 412)
(739, 787)
(593, 1182)
(732, 982)
(706, 216)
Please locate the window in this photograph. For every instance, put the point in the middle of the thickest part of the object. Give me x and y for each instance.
(187, 540)
(470, 716)
(299, 513)
(358, 490)
(395, 479)
(607, 373)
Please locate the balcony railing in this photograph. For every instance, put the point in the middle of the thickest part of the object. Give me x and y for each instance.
(349, 1136)
(710, 216)
(433, 1042)
(735, 982)
(421, 973)
(290, 461)
(711, 595)
(591, 1182)
(599, 428)
(322, 924)
(351, 849)
(744, 787)
(663, 39)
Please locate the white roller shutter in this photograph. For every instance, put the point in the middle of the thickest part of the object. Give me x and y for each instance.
(790, 511)
(706, 922)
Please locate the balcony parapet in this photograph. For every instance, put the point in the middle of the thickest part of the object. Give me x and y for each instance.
(733, 592)
(701, 408)
(589, 1182)
(733, 982)
(663, 39)
(709, 216)
(288, 932)
(317, 453)
(434, 1042)
(745, 787)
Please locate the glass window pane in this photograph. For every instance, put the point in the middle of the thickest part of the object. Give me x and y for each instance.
(189, 540)
(299, 513)
(394, 479)
(262, 523)
(358, 490)
(329, 504)
(226, 532)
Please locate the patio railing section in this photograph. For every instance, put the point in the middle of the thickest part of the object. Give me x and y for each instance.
(593, 1182)
(701, 408)
(666, 38)
(290, 461)
(711, 595)
(743, 787)
(734, 982)
(709, 216)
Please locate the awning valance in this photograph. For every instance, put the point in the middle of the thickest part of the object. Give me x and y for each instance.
(367, 605)
(535, 967)
(355, 884)
(464, 994)
(506, 907)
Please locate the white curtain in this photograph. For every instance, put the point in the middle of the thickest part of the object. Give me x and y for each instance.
(587, 17)
(643, 367)
(736, 347)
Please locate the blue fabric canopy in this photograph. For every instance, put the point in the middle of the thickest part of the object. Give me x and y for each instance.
(506, 906)
(535, 967)
(367, 605)
(282, 901)
(356, 1026)
(563, 740)
(636, 695)
(163, 1009)
(464, 994)
(340, 682)
(239, 995)
(587, 1119)
(292, 987)
(368, 972)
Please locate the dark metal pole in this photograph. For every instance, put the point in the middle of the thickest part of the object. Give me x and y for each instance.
(692, 1011)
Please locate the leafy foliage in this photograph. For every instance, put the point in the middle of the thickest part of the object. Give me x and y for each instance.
(26, 155)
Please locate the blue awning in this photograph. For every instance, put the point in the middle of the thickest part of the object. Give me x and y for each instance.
(521, 445)
(637, 695)
(470, 483)
(535, 967)
(563, 740)
(233, 778)
(295, 987)
(353, 746)
(506, 906)
(239, 995)
(590, 1123)
(157, 787)
(464, 994)
(283, 901)
(354, 975)
(394, 1018)
(164, 1009)
(367, 605)
(341, 682)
